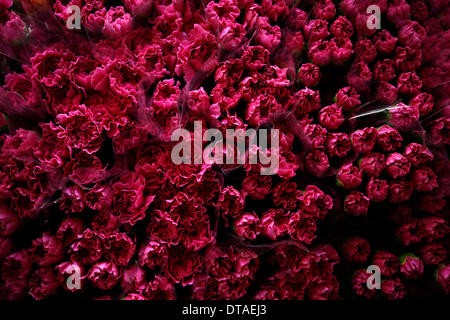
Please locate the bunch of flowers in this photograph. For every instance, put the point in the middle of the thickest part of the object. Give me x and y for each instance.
(92, 205)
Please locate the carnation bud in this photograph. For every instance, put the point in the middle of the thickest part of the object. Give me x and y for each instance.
(377, 189)
(360, 76)
(389, 139)
(46, 250)
(6, 246)
(397, 165)
(424, 102)
(331, 117)
(412, 34)
(388, 263)
(320, 52)
(411, 266)
(14, 29)
(400, 190)
(309, 74)
(356, 249)
(356, 203)
(409, 84)
(398, 12)
(363, 141)
(442, 277)
(372, 164)
(133, 279)
(104, 275)
(9, 222)
(247, 226)
(393, 289)
(424, 179)
(385, 42)
(349, 176)
(386, 93)
(347, 98)
(43, 283)
(403, 116)
(342, 50)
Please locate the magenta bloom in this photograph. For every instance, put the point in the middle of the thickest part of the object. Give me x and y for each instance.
(224, 149)
(4, 4)
(424, 102)
(43, 283)
(46, 250)
(348, 98)
(385, 42)
(400, 190)
(411, 266)
(331, 117)
(397, 165)
(360, 76)
(417, 154)
(356, 203)
(388, 263)
(342, 50)
(309, 74)
(342, 28)
(393, 289)
(384, 70)
(403, 116)
(320, 52)
(386, 93)
(104, 275)
(248, 226)
(377, 189)
(349, 176)
(443, 278)
(14, 29)
(363, 141)
(356, 249)
(373, 164)
(412, 34)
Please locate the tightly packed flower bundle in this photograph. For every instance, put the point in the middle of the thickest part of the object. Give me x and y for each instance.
(88, 187)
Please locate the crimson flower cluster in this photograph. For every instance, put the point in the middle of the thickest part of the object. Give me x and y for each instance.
(88, 187)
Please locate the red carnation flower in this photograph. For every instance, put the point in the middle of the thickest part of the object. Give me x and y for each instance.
(386, 93)
(341, 27)
(373, 164)
(331, 117)
(247, 226)
(363, 141)
(385, 42)
(356, 203)
(384, 70)
(387, 262)
(342, 50)
(377, 189)
(411, 266)
(309, 74)
(424, 102)
(348, 98)
(349, 176)
(356, 249)
(393, 289)
(320, 52)
(400, 190)
(397, 165)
